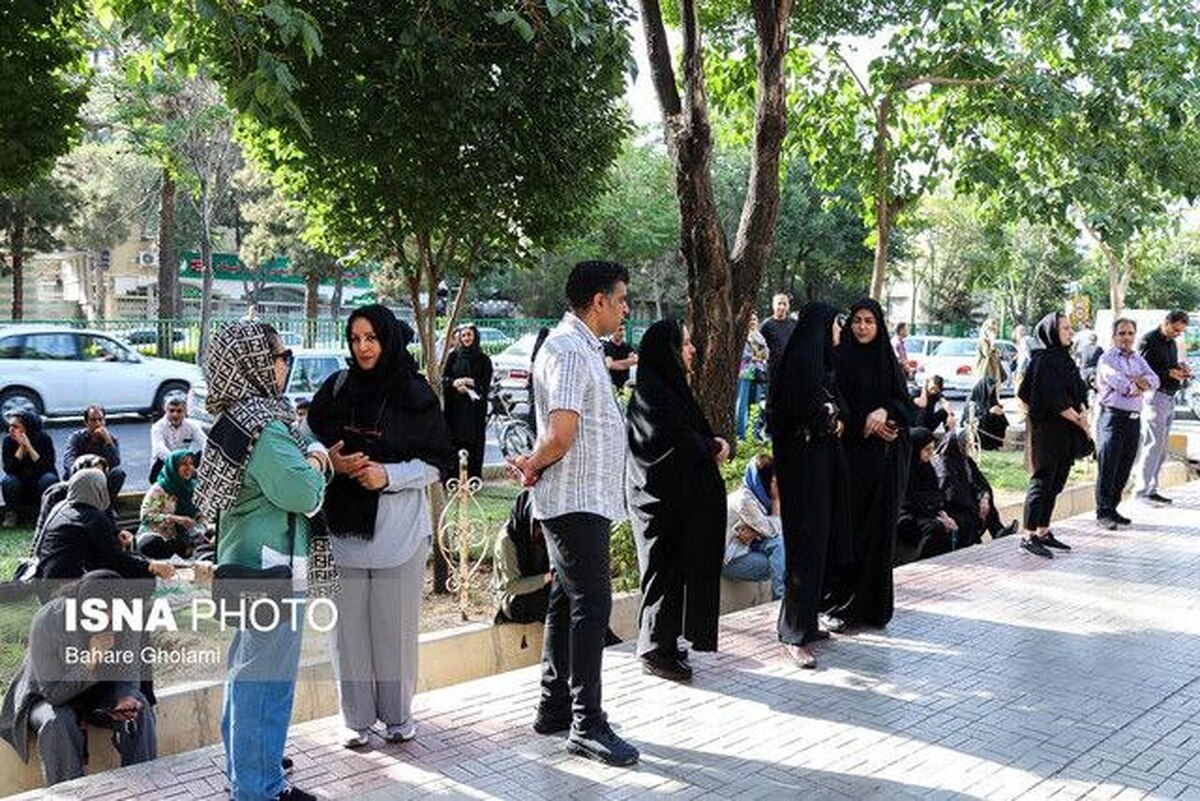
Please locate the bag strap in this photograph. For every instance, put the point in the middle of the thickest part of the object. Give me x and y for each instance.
(291, 538)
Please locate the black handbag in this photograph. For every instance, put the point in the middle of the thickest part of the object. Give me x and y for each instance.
(1082, 445)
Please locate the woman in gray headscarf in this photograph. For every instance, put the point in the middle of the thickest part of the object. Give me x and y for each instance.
(80, 536)
(261, 484)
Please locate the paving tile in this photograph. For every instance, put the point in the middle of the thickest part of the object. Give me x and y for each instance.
(998, 678)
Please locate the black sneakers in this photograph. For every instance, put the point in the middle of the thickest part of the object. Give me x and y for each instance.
(295, 794)
(1007, 531)
(603, 745)
(1156, 498)
(1107, 522)
(666, 666)
(548, 721)
(1035, 546)
(1049, 540)
(1122, 519)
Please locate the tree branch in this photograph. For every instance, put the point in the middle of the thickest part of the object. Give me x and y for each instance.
(658, 51)
(867, 99)
(752, 245)
(938, 80)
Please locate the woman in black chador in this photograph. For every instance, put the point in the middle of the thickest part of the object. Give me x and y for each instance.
(810, 468)
(466, 383)
(878, 413)
(1055, 398)
(985, 401)
(676, 504)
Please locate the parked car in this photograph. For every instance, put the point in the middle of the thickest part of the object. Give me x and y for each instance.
(918, 348)
(61, 371)
(309, 371)
(510, 371)
(954, 360)
(149, 336)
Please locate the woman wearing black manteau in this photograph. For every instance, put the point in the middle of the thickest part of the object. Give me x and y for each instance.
(676, 503)
(986, 405)
(879, 410)
(1055, 399)
(810, 468)
(466, 383)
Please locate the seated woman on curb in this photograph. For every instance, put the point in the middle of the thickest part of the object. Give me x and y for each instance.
(924, 528)
(80, 536)
(753, 545)
(168, 518)
(522, 577)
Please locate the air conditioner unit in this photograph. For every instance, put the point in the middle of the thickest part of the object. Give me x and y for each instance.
(147, 258)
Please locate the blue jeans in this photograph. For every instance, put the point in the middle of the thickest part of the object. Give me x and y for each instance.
(765, 560)
(743, 406)
(259, 688)
(25, 493)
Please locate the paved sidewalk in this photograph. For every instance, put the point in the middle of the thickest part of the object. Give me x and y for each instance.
(1002, 676)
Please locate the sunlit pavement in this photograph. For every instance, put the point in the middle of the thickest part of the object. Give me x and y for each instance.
(1002, 675)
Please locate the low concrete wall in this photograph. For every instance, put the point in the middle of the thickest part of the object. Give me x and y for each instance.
(189, 716)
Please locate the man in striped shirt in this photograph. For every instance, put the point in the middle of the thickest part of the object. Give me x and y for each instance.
(577, 474)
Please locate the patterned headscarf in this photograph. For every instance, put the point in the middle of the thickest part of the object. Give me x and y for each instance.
(240, 372)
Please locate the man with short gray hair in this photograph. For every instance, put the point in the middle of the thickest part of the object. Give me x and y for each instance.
(173, 432)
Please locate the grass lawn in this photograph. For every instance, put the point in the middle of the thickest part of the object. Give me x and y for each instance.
(14, 546)
(1006, 470)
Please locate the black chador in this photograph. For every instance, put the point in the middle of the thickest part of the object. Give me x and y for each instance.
(809, 465)
(859, 575)
(676, 500)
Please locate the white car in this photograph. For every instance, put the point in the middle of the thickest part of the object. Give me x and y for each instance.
(954, 361)
(510, 370)
(61, 371)
(309, 371)
(918, 348)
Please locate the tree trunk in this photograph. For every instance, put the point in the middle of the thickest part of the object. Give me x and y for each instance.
(207, 271)
(722, 282)
(335, 302)
(312, 299)
(16, 238)
(883, 180)
(168, 270)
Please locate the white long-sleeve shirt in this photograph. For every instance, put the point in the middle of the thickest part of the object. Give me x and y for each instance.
(165, 438)
(744, 511)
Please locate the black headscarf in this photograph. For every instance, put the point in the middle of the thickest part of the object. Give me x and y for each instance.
(869, 375)
(804, 380)
(469, 358)
(389, 412)
(663, 409)
(984, 397)
(1052, 382)
(924, 493)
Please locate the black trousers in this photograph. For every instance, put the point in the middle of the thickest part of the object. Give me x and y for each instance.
(1118, 433)
(1045, 485)
(577, 617)
(809, 476)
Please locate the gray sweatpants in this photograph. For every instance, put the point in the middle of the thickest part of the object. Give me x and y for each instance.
(1158, 412)
(62, 741)
(375, 641)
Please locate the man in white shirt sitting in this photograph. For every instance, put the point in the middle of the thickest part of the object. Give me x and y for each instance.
(753, 545)
(174, 432)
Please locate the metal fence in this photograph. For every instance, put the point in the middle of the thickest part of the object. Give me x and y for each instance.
(183, 334)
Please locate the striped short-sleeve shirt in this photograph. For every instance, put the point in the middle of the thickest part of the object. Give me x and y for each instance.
(569, 374)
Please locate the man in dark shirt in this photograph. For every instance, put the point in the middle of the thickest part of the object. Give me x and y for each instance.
(618, 358)
(777, 331)
(96, 439)
(1161, 352)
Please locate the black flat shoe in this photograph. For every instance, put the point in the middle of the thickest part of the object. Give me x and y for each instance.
(1107, 523)
(552, 722)
(1050, 541)
(666, 666)
(1035, 546)
(1122, 519)
(1006, 531)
